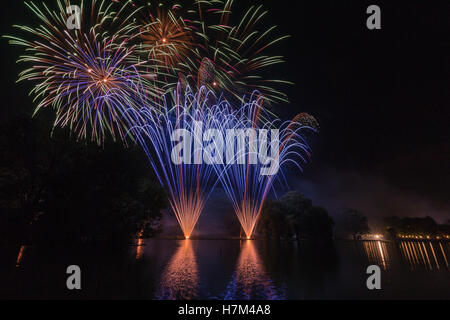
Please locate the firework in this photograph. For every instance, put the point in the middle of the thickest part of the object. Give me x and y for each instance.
(233, 57)
(188, 184)
(247, 173)
(85, 74)
(247, 181)
(201, 46)
(164, 41)
(96, 78)
(165, 37)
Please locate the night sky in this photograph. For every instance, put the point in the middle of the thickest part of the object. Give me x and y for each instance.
(380, 96)
(382, 99)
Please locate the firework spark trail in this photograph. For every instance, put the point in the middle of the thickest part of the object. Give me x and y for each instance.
(90, 75)
(165, 36)
(237, 52)
(188, 185)
(85, 74)
(95, 79)
(207, 44)
(241, 179)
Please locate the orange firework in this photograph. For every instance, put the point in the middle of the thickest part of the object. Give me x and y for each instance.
(165, 37)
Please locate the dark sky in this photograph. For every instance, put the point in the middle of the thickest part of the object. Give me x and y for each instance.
(381, 97)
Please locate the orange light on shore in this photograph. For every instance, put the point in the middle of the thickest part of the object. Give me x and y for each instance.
(187, 237)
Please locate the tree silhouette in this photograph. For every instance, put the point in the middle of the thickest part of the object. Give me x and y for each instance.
(294, 214)
(55, 188)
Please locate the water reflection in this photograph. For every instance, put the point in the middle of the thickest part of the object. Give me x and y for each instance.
(416, 255)
(180, 278)
(140, 246)
(443, 253)
(377, 253)
(250, 280)
(228, 269)
(424, 255)
(20, 256)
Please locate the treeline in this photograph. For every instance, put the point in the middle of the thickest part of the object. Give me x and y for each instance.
(54, 188)
(294, 217)
(414, 226)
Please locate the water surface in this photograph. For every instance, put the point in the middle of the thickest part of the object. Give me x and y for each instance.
(229, 269)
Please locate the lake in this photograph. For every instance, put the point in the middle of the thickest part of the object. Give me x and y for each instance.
(229, 269)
